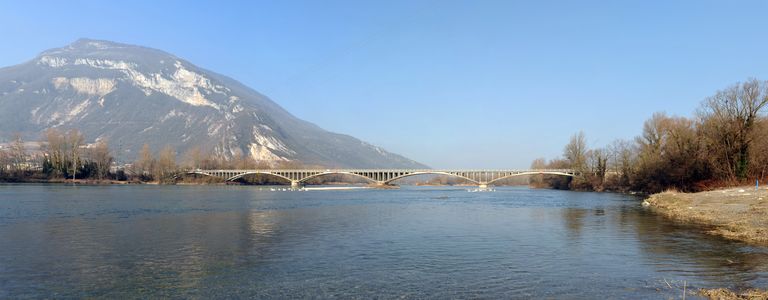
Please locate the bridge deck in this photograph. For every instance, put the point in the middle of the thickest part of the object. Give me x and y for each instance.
(382, 176)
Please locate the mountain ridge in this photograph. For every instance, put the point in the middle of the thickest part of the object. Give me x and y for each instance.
(129, 94)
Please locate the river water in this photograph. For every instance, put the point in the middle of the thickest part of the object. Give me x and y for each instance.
(60, 241)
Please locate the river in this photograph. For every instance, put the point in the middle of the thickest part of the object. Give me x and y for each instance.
(143, 241)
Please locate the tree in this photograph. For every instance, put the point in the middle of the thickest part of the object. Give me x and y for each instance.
(648, 169)
(193, 157)
(670, 154)
(18, 155)
(759, 150)
(622, 160)
(683, 155)
(728, 119)
(145, 164)
(576, 151)
(74, 141)
(728, 140)
(244, 162)
(62, 152)
(100, 156)
(54, 151)
(166, 163)
(4, 162)
(598, 163)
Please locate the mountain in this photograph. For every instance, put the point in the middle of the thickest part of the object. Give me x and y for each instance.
(131, 95)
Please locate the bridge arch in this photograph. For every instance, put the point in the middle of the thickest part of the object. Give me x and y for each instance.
(532, 173)
(303, 180)
(180, 174)
(238, 176)
(431, 173)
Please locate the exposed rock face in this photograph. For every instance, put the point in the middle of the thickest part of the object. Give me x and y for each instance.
(133, 95)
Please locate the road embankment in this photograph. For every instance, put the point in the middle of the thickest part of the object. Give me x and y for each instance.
(739, 214)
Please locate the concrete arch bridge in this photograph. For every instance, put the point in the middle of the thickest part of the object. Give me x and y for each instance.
(382, 177)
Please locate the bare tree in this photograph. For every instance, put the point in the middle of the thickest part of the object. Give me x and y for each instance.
(145, 164)
(101, 157)
(166, 163)
(759, 151)
(244, 162)
(62, 152)
(74, 141)
(728, 119)
(18, 155)
(622, 161)
(598, 163)
(728, 140)
(54, 151)
(576, 151)
(4, 162)
(193, 157)
(670, 153)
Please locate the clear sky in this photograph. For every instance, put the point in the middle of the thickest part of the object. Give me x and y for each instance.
(452, 84)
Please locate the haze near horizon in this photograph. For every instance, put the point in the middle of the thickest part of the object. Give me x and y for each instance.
(448, 84)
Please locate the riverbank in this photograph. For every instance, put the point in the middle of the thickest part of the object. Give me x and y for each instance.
(729, 294)
(76, 181)
(739, 214)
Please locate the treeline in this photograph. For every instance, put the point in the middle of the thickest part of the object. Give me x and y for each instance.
(724, 143)
(14, 162)
(65, 155)
(163, 166)
(62, 155)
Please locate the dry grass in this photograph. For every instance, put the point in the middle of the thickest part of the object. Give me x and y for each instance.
(736, 213)
(726, 294)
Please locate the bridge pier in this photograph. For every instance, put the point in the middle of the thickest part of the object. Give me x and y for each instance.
(483, 186)
(384, 185)
(296, 184)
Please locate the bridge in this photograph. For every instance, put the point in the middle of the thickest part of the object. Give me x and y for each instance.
(382, 177)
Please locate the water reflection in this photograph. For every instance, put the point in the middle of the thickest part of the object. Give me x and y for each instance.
(688, 251)
(573, 219)
(682, 252)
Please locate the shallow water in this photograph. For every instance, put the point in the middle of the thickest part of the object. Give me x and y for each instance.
(59, 241)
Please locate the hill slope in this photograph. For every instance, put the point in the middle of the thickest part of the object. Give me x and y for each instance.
(132, 95)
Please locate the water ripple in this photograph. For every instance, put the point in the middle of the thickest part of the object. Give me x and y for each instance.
(238, 242)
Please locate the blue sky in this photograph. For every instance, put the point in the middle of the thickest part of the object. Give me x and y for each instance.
(453, 84)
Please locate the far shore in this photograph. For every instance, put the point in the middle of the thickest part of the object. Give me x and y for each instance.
(75, 181)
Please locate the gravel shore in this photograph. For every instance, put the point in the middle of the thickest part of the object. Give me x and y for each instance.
(739, 214)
